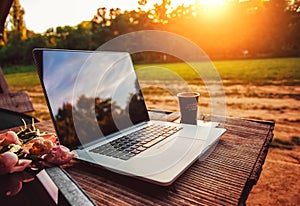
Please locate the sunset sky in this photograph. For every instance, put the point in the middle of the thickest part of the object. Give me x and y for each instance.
(41, 15)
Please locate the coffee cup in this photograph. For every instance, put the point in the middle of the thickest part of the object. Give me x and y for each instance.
(188, 104)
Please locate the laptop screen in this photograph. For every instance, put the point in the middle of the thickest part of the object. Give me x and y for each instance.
(91, 94)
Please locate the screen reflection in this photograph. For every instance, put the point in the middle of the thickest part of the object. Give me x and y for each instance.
(91, 88)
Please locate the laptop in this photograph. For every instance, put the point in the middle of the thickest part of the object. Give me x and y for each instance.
(99, 112)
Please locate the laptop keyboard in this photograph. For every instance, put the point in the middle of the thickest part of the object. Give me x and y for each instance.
(136, 142)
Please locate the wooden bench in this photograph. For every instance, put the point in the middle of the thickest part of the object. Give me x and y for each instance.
(14, 101)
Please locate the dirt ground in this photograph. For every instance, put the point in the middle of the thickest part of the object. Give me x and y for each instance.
(279, 183)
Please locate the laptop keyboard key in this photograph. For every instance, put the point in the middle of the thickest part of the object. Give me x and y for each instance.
(155, 141)
(132, 144)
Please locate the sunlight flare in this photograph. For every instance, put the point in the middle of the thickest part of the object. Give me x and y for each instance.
(211, 2)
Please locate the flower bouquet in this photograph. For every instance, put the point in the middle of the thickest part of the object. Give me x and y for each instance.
(31, 148)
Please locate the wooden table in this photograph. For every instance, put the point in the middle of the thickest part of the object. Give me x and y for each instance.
(226, 177)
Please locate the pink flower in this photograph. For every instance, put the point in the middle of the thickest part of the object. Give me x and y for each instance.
(8, 138)
(38, 146)
(59, 155)
(49, 136)
(9, 163)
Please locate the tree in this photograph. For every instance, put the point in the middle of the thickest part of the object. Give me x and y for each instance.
(293, 38)
(160, 13)
(17, 20)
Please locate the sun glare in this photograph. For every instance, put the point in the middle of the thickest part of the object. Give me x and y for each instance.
(179, 2)
(174, 3)
(213, 8)
(212, 2)
(189, 2)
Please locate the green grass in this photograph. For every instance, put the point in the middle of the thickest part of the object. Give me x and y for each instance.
(262, 71)
(23, 80)
(280, 71)
(283, 71)
(19, 69)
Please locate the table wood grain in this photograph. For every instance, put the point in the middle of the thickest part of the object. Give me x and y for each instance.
(226, 177)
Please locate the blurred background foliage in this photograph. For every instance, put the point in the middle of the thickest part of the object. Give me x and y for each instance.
(238, 30)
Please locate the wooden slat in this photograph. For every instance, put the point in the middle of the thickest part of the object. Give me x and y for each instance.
(257, 168)
(16, 101)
